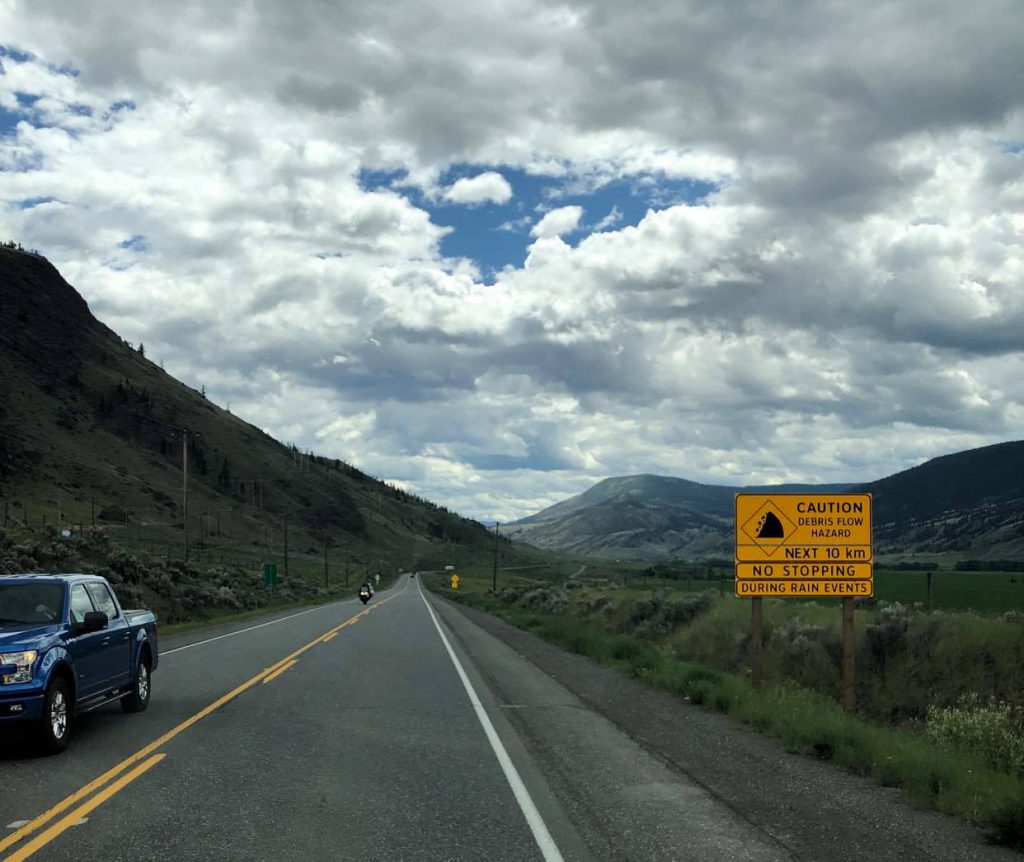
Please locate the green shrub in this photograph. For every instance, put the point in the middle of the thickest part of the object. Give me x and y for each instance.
(993, 730)
(659, 615)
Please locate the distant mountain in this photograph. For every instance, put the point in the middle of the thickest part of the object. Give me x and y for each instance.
(970, 502)
(89, 433)
(665, 491)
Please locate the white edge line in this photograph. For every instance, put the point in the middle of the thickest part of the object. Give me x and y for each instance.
(545, 842)
(243, 631)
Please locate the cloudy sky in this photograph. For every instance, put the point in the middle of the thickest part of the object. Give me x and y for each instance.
(497, 251)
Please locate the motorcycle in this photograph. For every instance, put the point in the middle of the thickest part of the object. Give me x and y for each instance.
(364, 595)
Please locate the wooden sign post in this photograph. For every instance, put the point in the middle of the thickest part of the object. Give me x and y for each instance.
(804, 545)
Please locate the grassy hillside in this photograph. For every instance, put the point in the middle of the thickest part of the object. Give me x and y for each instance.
(92, 436)
(970, 503)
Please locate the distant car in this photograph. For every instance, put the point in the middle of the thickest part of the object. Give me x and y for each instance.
(413, 575)
(67, 647)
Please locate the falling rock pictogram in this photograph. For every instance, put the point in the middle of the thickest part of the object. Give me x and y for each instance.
(770, 527)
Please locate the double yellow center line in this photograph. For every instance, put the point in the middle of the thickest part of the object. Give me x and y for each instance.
(148, 756)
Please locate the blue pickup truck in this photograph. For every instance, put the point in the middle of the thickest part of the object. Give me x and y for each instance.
(66, 647)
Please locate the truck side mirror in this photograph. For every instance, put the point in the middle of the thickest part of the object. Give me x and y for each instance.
(94, 621)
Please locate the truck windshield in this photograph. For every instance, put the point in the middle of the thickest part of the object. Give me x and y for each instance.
(30, 604)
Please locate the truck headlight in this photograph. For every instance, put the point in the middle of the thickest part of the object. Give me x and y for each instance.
(22, 662)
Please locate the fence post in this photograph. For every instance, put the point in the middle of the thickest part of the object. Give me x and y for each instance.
(756, 641)
(848, 684)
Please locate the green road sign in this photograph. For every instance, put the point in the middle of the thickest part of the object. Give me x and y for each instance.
(270, 574)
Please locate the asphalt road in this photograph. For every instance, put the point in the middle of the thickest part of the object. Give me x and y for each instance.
(407, 730)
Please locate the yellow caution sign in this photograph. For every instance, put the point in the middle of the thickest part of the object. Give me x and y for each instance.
(751, 589)
(803, 545)
(455, 582)
(784, 571)
(810, 528)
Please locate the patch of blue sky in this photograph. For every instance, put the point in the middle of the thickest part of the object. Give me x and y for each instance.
(9, 118)
(14, 54)
(497, 236)
(19, 56)
(375, 180)
(28, 203)
(118, 264)
(136, 242)
(27, 111)
(9, 121)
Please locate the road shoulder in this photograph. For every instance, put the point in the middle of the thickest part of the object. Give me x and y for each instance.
(814, 810)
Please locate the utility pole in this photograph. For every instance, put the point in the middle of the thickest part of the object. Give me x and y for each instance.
(494, 573)
(184, 487)
(326, 575)
(286, 547)
(376, 537)
(346, 569)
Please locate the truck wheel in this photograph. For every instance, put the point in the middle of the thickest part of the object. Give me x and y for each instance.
(138, 700)
(55, 726)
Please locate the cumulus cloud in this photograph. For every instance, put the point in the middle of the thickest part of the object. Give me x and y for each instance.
(846, 301)
(558, 222)
(488, 187)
